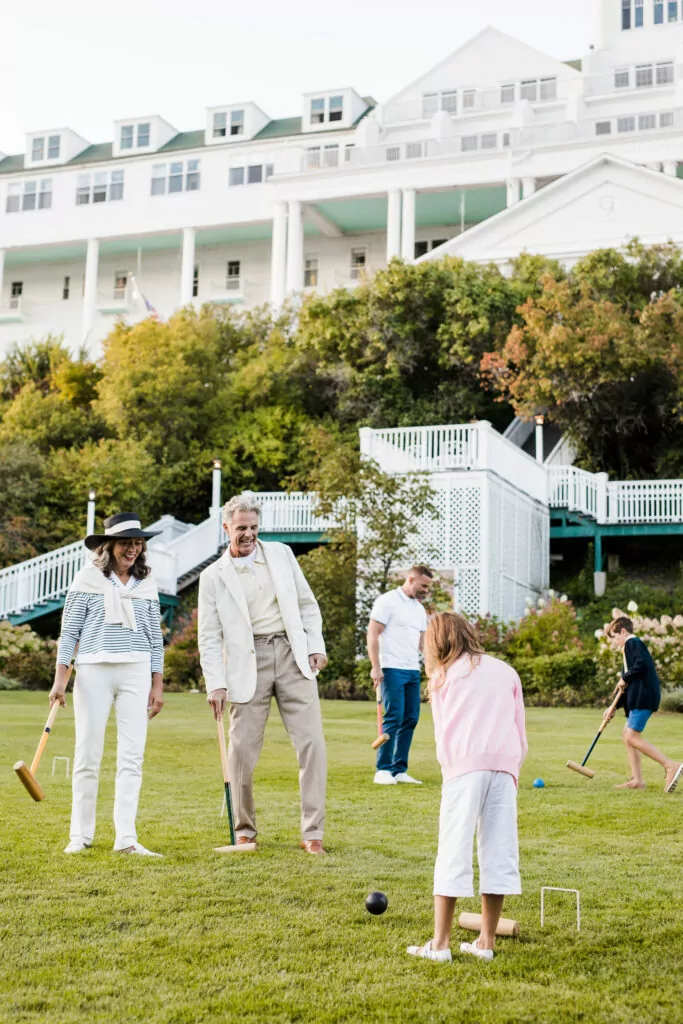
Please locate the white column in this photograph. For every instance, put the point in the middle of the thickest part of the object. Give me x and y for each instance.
(2, 274)
(528, 187)
(512, 191)
(295, 247)
(278, 256)
(92, 261)
(408, 239)
(187, 267)
(393, 223)
(670, 167)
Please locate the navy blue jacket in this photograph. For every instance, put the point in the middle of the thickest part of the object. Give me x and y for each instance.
(643, 691)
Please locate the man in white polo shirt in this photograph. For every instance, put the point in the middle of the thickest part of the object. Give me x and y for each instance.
(395, 637)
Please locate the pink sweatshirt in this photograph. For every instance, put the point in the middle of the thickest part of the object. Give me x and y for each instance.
(479, 718)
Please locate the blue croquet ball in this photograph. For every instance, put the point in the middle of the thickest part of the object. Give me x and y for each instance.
(376, 903)
(539, 784)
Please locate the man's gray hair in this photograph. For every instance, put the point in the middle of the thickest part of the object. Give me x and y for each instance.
(247, 501)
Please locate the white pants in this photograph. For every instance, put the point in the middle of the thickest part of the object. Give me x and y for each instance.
(486, 802)
(97, 687)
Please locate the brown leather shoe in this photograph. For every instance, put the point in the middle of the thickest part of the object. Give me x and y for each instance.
(313, 846)
(241, 840)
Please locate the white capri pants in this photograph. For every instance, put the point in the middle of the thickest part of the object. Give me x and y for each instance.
(97, 687)
(485, 802)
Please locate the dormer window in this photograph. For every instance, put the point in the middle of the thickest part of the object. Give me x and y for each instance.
(317, 111)
(336, 108)
(45, 147)
(224, 124)
(135, 136)
(326, 109)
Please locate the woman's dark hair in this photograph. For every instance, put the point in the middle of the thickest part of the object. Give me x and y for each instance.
(104, 560)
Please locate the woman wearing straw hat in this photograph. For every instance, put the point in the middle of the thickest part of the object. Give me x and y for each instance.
(111, 618)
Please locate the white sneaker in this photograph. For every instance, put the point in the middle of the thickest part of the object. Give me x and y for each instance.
(142, 850)
(443, 956)
(404, 777)
(76, 847)
(384, 778)
(473, 948)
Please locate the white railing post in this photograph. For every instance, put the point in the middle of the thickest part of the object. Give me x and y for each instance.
(601, 480)
(482, 435)
(366, 436)
(215, 488)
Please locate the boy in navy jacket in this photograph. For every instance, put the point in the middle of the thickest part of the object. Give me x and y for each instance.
(639, 700)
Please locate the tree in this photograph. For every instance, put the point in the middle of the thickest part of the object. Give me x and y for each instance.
(22, 472)
(404, 347)
(600, 353)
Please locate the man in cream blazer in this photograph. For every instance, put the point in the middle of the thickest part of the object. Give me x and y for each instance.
(260, 635)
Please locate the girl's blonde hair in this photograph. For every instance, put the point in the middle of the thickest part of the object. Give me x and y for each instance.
(448, 636)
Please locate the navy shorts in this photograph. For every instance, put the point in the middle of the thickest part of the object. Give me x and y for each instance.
(637, 720)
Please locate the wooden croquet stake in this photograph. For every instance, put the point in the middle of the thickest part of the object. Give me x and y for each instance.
(382, 736)
(506, 926)
(234, 847)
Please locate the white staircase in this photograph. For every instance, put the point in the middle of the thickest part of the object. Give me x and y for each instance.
(177, 555)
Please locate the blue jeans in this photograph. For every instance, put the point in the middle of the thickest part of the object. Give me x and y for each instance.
(401, 700)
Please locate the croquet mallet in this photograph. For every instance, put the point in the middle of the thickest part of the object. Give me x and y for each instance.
(382, 736)
(28, 775)
(581, 768)
(234, 847)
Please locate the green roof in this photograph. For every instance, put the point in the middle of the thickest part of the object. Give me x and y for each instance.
(280, 128)
(184, 140)
(12, 163)
(576, 64)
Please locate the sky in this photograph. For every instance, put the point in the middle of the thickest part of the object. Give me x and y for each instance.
(82, 64)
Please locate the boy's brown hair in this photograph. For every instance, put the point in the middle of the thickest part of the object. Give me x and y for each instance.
(621, 623)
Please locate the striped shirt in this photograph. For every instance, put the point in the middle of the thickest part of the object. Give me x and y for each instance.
(83, 624)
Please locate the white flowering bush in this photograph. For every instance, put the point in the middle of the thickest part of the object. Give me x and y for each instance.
(662, 636)
(25, 657)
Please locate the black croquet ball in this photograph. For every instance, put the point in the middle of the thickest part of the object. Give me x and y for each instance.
(376, 903)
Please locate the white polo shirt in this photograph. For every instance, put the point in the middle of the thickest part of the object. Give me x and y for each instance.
(404, 620)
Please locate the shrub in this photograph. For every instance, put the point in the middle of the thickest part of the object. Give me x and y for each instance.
(182, 670)
(673, 701)
(663, 638)
(548, 628)
(567, 678)
(27, 658)
(9, 684)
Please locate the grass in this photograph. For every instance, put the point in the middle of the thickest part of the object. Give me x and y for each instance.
(280, 937)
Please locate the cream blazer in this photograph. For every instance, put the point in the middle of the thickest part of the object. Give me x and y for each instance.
(226, 640)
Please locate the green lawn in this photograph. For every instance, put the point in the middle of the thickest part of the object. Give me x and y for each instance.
(280, 936)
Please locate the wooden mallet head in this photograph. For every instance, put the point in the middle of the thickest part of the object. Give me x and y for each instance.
(29, 781)
(581, 769)
(380, 741)
(237, 848)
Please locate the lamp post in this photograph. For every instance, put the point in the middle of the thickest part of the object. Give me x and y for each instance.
(90, 518)
(539, 421)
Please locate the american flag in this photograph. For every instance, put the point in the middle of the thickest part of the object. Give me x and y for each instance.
(137, 293)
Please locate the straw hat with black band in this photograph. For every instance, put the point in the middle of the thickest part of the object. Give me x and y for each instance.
(122, 526)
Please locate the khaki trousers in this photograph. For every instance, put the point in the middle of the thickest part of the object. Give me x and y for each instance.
(299, 706)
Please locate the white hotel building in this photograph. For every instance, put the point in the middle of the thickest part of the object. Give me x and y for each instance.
(498, 148)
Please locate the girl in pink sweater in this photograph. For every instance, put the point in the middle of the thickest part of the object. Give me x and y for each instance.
(480, 743)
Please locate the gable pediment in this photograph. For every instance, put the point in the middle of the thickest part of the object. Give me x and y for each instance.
(487, 60)
(603, 204)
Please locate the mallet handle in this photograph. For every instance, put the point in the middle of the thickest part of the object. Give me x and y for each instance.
(605, 722)
(45, 737)
(224, 752)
